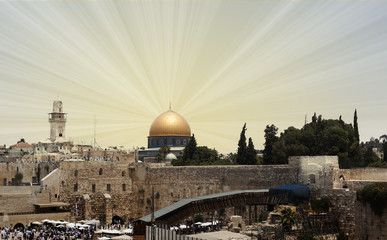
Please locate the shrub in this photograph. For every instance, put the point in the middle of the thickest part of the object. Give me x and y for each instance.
(321, 205)
(376, 195)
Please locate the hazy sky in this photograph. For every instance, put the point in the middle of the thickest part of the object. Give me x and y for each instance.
(220, 63)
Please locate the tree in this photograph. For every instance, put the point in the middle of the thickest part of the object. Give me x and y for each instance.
(190, 149)
(314, 118)
(370, 156)
(385, 152)
(251, 154)
(320, 137)
(270, 140)
(18, 178)
(163, 151)
(355, 127)
(242, 148)
(288, 218)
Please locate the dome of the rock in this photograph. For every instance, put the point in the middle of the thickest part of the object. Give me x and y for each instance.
(170, 123)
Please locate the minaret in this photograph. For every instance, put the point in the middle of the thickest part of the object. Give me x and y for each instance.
(57, 121)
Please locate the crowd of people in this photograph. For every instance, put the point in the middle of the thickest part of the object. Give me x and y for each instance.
(46, 232)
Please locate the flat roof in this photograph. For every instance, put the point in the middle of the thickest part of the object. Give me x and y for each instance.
(52, 204)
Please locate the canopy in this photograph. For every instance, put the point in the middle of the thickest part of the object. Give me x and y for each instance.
(122, 237)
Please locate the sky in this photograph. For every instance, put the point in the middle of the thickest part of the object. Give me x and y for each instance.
(119, 64)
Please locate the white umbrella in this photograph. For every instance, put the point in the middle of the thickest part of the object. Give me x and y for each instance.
(37, 223)
(122, 237)
(103, 238)
(129, 230)
(70, 225)
(183, 226)
(206, 224)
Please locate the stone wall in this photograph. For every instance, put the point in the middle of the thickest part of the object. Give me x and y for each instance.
(368, 225)
(32, 172)
(104, 189)
(18, 199)
(175, 183)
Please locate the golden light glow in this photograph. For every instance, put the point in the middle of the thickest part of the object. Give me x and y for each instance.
(220, 63)
(170, 123)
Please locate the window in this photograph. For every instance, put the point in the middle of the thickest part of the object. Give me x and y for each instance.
(93, 188)
(124, 187)
(312, 178)
(108, 187)
(76, 173)
(123, 173)
(56, 195)
(100, 171)
(5, 182)
(76, 187)
(60, 134)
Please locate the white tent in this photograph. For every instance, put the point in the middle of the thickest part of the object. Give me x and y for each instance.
(103, 238)
(129, 231)
(122, 237)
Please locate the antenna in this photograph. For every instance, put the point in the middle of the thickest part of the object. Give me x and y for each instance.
(305, 118)
(169, 106)
(95, 132)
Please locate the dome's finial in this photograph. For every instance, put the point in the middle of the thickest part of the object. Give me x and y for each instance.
(169, 106)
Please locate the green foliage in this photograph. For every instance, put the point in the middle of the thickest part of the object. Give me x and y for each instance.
(18, 177)
(196, 156)
(370, 156)
(378, 164)
(198, 218)
(190, 149)
(288, 217)
(242, 148)
(355, 127)
(321, 205)
(163, 151)
(376, 195)
(251, 154)
(320, 137)
(270, 140)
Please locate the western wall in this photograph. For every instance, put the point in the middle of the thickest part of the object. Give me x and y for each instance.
(107, 189)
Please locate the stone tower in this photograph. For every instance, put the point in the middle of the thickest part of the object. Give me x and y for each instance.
(57, 121)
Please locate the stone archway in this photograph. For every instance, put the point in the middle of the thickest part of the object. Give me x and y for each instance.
(18, 226)
(117, 220)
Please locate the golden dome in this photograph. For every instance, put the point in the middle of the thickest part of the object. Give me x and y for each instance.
(170, 123)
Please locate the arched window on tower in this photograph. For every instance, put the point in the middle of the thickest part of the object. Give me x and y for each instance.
(100, 171)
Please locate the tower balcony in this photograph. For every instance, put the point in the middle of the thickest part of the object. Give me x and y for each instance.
(57, 117)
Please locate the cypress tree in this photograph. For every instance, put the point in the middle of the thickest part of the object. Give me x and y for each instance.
(355, 127)
(251, 153)
(270, 140)
(242, 148)
(190, 149)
